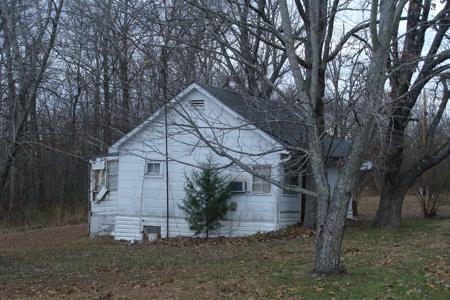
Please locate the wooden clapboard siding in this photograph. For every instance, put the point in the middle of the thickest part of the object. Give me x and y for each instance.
(102, 215)
(141, 199)
(289, 209)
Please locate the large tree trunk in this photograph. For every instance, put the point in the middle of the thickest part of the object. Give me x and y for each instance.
(395, 185)
(390, 207)
(395, 182)
(328, 247)
(331, 233)
(310, 215)
(331, 211)
(331, 219)
(391, 197)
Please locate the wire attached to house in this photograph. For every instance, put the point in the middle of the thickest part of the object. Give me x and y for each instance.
(141, 229)
(167, 169)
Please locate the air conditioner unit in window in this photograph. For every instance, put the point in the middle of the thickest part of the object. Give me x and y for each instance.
(238, 186)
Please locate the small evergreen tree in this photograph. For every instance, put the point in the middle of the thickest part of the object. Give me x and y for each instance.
(206, 201)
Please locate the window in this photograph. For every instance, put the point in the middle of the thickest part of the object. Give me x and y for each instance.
(259, 185)
(154, 168)
(112, 174)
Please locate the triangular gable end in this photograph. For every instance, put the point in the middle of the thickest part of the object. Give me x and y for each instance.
(114, 148)
(261, 132)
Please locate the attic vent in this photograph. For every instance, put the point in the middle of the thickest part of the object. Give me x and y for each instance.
(198, 104)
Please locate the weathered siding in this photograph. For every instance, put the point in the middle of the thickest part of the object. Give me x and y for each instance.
(142, 198)
(102, 215)
(129, 227)
(289, 210)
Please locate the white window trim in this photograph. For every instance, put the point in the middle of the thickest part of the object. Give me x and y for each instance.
(161, 168)
(107, 174)
(260, 193)
(246, 187)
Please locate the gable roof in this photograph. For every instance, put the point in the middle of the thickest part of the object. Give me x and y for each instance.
(275, 118)
(272, 117)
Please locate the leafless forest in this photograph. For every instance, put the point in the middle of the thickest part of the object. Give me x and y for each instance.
(78, 74)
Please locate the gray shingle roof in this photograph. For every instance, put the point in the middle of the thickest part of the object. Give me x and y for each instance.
(276, 119)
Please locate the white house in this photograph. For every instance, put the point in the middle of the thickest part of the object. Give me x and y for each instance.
(136, 189)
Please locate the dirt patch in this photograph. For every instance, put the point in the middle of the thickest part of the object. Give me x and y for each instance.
(43, 238)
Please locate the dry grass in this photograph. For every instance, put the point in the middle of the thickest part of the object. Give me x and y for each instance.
(62, 262)
(367, 207)
(27, 218)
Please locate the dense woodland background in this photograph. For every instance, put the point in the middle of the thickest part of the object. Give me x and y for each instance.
(77, 75)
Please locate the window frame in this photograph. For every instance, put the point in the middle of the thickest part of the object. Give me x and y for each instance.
(245, 185)
(108, 175)
(261, 182)
(154, 175)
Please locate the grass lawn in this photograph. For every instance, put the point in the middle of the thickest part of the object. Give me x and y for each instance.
(62, 262)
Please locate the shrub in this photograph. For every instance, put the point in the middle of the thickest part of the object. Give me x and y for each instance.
(206, 201)
(431, 188)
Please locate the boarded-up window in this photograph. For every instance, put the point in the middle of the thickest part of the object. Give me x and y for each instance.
(112, 174)
(259, 185)
(99, 180)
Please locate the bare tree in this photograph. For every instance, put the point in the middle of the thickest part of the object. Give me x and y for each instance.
(29, 34)
(116, 61)
(332, 208)
(74, 80)
(431, 186)
(431, 189)
(315, 35)
(409, 73)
